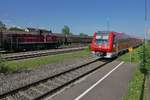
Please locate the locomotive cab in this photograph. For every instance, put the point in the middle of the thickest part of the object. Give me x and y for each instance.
(101, 45)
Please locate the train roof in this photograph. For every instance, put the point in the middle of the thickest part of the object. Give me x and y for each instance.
(18, 32)
(107, 32)
(119, 34)
(24, 32)
(37, 33)
(60, 34)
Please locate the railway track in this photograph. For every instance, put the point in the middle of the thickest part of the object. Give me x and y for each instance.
(20, 56)
(50, 85)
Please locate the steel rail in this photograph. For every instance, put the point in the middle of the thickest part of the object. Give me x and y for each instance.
(41, 53)
(5, 95)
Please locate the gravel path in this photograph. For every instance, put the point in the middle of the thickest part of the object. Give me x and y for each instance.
(15, 80)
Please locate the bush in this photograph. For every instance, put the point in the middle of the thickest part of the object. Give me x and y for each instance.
(144, 55)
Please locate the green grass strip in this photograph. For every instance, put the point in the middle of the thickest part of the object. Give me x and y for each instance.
(27, 64)
(135, 87)
(131, 56)
(135, 56)
(136, 91)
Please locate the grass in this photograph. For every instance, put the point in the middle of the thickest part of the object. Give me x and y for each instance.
(135, 90)
(137, 86)
(134, 56)
(13, 66)
(3, 67)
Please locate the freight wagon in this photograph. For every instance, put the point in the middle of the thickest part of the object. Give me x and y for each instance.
(18, 41)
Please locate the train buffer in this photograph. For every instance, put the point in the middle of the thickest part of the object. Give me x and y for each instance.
(107, 83)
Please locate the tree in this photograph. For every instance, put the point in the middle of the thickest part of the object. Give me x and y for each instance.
(16, 29)
(66, 30)
(2, 26)
(83, 34)
(71, 33)
(144, 56)
(50, 31)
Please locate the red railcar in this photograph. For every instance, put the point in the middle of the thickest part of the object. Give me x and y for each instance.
(19, 41)
(29, 38)
(109, 44)
(28, 41)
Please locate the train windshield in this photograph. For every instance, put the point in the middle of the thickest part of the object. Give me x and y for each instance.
(101, 39)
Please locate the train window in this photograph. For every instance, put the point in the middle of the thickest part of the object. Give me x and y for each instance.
(101, 39)
(115, 39)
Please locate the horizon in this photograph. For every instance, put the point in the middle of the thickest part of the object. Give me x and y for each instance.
(81, 16)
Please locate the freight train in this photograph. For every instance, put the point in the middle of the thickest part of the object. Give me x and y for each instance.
(107, 44)
(23, 41)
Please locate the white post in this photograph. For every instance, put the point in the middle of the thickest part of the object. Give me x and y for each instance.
(130, 57)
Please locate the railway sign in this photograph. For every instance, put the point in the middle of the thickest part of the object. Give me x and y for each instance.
(130, 49)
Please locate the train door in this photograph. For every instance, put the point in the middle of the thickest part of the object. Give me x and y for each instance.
(116, 44)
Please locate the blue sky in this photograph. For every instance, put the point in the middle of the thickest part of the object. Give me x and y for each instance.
(85, 16)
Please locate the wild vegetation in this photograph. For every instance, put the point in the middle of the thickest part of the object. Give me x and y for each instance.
(137, 87)
(3, 67)
(139, 55)
(2, 26)
(83, 34)
(66, 30)
(28, 64)
(16, 29)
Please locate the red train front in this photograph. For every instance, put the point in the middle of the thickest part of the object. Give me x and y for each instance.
(107, 44)
(101, 45)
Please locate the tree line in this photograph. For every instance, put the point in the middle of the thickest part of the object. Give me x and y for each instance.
(65, 30)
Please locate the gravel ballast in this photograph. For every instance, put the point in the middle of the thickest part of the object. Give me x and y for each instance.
(15, 80)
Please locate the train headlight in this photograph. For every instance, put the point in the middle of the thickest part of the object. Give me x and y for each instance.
(93, 52)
